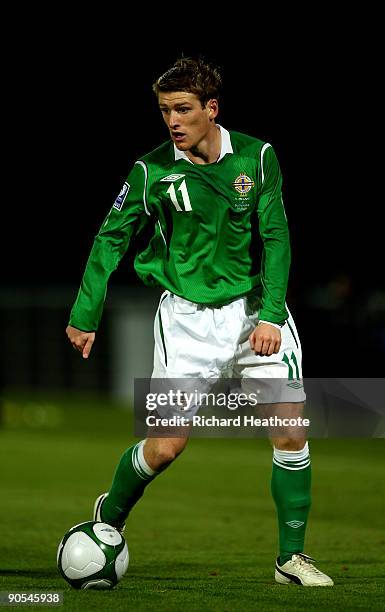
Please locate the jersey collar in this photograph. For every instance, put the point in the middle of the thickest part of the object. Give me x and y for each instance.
(225, 146)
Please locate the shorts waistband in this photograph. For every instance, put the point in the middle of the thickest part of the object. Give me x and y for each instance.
(215, 305)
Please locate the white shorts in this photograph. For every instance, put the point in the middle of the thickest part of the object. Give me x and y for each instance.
(200, 342)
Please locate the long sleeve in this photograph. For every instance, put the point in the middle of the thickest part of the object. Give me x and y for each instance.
(127, 217)
(274, 232)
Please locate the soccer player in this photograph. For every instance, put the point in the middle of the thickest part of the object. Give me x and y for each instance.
(220, 249)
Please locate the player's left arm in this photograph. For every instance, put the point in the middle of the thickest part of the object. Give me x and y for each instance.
(275, 263)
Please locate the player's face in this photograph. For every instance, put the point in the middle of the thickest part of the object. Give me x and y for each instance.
(187, 121)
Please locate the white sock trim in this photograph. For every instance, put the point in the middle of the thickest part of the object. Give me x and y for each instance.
(292, 460)
(142, 462)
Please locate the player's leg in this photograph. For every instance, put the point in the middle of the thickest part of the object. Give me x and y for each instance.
(277, 380)
(177, 356)
(281, 378)
(142, 462)
(291, 489)
(291, 481)
(138, 466)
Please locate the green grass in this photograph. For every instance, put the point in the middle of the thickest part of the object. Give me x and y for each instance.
(204, 536)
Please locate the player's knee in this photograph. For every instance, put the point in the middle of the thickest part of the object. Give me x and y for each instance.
(163, 452)
(294, 443)
(166, 454)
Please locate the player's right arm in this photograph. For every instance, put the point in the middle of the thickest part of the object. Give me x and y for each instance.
(127, 217)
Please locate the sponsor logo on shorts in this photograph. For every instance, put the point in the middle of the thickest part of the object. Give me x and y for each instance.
(295, 385)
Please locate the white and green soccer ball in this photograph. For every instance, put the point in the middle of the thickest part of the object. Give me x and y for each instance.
(92, 555)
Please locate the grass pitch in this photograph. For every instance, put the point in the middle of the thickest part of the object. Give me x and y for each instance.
(204, 535)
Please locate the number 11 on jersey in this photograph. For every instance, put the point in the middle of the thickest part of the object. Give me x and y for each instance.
(186, 198)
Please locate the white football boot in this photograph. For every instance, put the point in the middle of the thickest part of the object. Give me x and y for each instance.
(98, 512)
(300, 571)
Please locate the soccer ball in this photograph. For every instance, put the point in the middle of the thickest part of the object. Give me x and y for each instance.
(92, 555)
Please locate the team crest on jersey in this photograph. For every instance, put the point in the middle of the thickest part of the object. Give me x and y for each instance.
(121, 197)
(243, 184)
(171, 178)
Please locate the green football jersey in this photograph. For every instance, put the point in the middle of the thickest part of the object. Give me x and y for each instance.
(219, 230)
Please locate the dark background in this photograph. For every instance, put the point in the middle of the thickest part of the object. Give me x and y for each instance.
(82, 111)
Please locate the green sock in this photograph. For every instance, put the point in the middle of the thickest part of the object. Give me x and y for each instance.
(290, 486)
(132, 476)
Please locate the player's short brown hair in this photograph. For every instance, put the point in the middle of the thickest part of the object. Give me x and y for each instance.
(192, 75)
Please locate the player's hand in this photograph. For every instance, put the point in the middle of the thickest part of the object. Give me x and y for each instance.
(265, 339)
(81, 341)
